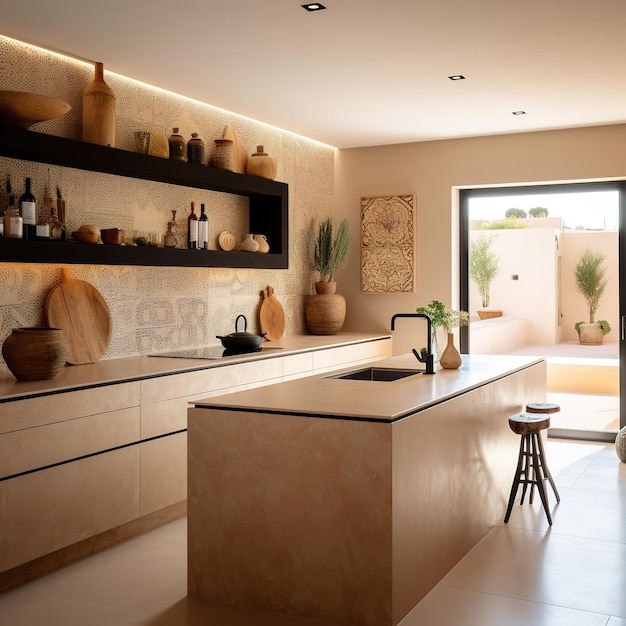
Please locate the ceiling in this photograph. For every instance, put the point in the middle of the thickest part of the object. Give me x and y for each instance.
(361, 72)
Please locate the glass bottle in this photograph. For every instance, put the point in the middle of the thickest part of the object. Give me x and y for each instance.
(178, 148)
(13, 224)
(28, 212)
(55, 226)
(203, 230)
(192, 229)
(171, 240)
(195, 150)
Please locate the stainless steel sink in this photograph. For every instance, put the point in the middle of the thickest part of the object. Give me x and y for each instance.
(377, 374)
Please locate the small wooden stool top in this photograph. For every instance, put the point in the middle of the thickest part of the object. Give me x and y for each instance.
(528, 423)
(542, 407)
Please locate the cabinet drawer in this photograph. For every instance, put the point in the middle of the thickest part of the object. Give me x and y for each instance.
(32, 448)
(210, 379)
(49, 510)
(58, 407)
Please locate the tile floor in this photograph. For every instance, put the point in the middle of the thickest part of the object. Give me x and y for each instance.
(521, 574)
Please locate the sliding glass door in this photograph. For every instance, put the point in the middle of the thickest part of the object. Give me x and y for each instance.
(537, 236)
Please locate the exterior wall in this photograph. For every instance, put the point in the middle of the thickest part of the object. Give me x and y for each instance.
(162, 307)
(434, 171)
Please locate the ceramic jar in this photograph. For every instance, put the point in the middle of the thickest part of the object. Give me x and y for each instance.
(178, 147)
(35, 353)
(325, 312)
(195, 150)
(261, 164)
(264, 247)
(450, 357)
(222, 157)
(248, 244)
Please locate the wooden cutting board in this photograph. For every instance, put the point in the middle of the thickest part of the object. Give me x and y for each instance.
(271, 316)
(79, 310)
(240, 154)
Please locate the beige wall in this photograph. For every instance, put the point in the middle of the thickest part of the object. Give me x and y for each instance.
(158, 308)
(434, 171)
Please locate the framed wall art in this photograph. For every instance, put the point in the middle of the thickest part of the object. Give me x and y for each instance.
(388, 244)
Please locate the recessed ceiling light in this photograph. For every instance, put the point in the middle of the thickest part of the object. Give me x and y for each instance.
(457, 77)
(313, 6)
(519, 112)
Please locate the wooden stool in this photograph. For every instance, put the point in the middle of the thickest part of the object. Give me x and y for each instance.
(532, 468)
(542, 407)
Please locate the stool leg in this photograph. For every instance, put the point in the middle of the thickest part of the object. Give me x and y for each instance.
(516, 480)
(538, 477)
(525, 445)
(546, 471)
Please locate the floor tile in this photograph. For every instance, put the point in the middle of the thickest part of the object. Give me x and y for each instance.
(566, 571)
(457, 607)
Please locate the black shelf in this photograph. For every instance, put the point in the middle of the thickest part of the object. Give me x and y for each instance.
(268, 205)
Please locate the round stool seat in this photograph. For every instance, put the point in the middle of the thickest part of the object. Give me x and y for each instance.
(528, 423)
(542, 407)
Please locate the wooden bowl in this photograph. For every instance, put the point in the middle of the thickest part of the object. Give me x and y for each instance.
(22, 109)
(84, 237)
(112, 236)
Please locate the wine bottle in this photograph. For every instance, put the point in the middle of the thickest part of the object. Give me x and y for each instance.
(192, 230)
(28, 212)
(203, 230)
(13, 220)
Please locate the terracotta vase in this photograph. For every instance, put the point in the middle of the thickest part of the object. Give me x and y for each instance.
(99, 111)
(450, 357)
(325, 311)
(35, 353)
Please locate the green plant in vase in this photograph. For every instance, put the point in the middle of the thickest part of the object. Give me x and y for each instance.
(442, 317)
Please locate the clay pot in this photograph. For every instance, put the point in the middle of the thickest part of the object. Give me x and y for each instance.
(35, 353)
(264, 247)
(248, 244)
(591, 334)
(261, 164)
(325, 312)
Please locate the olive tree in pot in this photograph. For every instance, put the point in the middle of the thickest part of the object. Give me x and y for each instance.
(484, 266)
(591, 281)
(325, 312)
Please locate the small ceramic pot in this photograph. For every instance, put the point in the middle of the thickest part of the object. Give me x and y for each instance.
(249, 244)
(264, 247)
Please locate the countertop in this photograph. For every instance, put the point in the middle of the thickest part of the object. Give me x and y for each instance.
(111, 371)
(323, 395)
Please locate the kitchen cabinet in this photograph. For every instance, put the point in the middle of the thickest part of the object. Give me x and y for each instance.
(268, 205)
(106, 453)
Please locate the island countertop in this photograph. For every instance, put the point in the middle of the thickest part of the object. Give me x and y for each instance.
(325, 395)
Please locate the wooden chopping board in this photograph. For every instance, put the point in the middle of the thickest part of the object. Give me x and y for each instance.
(240, 154)
(271, 316)
(79, 310)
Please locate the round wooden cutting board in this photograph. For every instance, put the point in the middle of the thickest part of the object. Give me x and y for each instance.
(79, 310)
(271, 316)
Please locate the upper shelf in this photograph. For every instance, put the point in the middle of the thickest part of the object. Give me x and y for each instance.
(268, 204)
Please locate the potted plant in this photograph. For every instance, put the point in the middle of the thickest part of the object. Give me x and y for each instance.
(484, 266)
(447, 319)
(325, 311)
(591, 281)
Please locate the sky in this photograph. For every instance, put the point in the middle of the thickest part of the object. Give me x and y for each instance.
(592, 210)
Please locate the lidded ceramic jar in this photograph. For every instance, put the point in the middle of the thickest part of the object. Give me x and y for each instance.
(35, 353)
(261, 164)
(178, 147)
(195, 150)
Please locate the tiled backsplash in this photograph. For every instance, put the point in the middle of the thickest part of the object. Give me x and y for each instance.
(157, 308)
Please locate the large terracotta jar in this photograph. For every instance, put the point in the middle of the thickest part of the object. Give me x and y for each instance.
(35, 353)
(325, 311)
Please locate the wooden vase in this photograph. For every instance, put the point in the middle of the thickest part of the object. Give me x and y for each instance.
(325, 311)
(35, 353)
(450, 357)
(99, 111)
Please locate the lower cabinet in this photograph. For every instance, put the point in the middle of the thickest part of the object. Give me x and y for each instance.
(80, 463)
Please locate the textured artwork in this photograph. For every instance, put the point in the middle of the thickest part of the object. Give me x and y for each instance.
(388, 244)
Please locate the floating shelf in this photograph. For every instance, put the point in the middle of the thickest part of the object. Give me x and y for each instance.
(268, 205)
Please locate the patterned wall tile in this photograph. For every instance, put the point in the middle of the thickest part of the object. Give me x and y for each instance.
(156, 309)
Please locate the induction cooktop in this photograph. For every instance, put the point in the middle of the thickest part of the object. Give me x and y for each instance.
(212, 352)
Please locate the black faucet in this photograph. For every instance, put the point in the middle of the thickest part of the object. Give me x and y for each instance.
(427, 358)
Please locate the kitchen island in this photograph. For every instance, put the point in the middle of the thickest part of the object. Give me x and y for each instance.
(348, 500)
